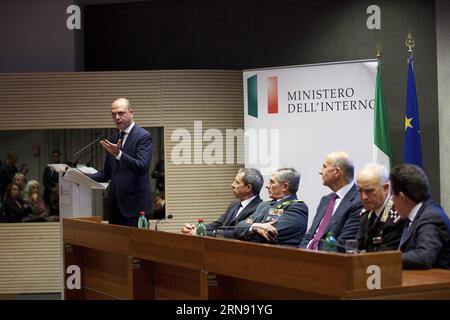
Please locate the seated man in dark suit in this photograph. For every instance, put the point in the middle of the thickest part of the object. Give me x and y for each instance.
(338, 212)
(280, 221)
(425, 241)
(246, 187)
(380, 227)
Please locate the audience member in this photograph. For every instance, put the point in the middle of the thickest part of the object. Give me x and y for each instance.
(50, 180)
(158, 175)
(19, 179)
(32, 197)
(14, 206)
(7, 172)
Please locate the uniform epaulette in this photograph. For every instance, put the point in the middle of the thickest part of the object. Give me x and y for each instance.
(282, 205)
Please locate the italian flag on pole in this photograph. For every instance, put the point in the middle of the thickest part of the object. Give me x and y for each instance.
(382, 153)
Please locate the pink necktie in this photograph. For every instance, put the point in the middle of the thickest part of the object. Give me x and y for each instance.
(325, 220)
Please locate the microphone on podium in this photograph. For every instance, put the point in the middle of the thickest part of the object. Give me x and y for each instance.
(76, 156)
(168, 217)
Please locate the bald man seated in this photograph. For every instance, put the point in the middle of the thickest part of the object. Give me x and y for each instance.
(338, 212)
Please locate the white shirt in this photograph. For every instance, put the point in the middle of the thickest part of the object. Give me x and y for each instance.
(341, 193)
(244, 204)
(127, 131)
(413, 212)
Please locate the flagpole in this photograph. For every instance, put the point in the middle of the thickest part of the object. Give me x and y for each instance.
(410, 44)
(382, 150)
(379, 48)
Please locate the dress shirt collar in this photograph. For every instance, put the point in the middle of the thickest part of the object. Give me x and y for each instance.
(247, 201)
(128, 130)
(342, 192)
(414, 211)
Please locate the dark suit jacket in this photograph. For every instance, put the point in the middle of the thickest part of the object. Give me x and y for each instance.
(130, 180)
(427, 242)
(343, 224)
(291, 225)
(6, 175)
(13, 212)
(229, 217)
(383, 234)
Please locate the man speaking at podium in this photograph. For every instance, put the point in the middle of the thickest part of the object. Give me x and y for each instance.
(127, 167)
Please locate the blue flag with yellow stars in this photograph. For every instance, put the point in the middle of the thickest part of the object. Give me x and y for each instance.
(413, 145)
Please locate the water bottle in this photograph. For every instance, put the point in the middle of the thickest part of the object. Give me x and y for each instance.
(330, 243)
(143, 222)
(201, 229)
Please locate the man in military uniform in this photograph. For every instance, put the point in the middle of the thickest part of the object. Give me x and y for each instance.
(283, 220)
(380, 226)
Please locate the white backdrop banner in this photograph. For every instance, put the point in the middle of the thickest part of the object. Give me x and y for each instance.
(295, 116)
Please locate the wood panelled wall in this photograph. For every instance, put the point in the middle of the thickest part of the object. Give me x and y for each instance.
(30, 258)
(172, 99)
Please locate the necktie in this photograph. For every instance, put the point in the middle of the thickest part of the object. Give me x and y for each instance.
(232, 218)
(237, 210)
(405, 232)
(121, 136)
(325, 220)
(372, 219)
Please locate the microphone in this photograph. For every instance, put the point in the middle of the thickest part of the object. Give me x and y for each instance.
(168, 217)
(76, 156)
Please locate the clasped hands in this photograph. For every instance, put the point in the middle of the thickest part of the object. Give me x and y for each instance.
(266, 230)
(188, 228)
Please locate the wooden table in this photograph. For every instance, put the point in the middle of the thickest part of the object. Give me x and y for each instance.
(128, 263)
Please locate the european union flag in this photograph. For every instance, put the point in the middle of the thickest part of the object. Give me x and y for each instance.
(413, 144)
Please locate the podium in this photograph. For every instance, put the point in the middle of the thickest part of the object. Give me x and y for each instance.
(75, 191)
(75, 198)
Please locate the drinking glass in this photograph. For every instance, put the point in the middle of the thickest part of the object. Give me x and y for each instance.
(351, 246)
